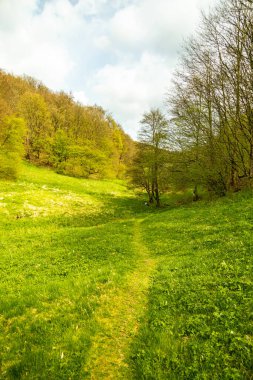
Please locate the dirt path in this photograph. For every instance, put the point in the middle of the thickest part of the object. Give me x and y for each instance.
(118, 316)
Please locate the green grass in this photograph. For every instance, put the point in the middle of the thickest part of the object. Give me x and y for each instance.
(62, 246)
(51, 285)
(96, 285)
(199, 323)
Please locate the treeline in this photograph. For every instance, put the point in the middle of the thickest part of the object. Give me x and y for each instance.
(212, 102)
(52, 129)
(207, 140)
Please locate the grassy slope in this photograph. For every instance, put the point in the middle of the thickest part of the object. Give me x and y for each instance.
(64, 243)
(76, 260)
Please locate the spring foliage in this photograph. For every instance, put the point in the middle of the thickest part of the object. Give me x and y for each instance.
(77, 140)
(12, 130)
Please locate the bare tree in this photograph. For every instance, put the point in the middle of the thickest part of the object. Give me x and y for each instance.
(150, 160)
(212, 99)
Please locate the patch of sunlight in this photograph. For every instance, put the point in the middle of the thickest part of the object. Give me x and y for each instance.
(47, 202)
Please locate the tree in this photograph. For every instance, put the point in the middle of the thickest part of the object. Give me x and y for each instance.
(150, 158)
(60, 150)
(12, 130)
(212, 99)
(33, 109)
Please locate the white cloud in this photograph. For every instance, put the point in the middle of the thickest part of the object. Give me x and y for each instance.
(157, 28)
(102, 42)
(51, 45)
(90, 7)
(81, 97)
(129, 90)
(127, 29)
(34, 44)
(15, 13)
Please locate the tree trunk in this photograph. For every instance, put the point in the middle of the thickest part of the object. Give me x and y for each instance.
(150, 198)
(157, 197)
(195, 193)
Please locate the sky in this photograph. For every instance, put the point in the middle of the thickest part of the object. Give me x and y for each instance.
(119, 54)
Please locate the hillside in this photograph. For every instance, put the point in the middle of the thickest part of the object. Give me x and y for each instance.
(52, 129)
(96, 285)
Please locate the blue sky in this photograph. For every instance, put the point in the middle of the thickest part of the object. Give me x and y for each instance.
(119, 54)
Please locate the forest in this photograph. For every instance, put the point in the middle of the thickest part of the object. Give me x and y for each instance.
(51, 129)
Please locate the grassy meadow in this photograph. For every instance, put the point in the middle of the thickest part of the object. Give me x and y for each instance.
(199, 322)
(96, 285)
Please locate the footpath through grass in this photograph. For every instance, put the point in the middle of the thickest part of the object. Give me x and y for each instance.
(96, 285)
(118, 317)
